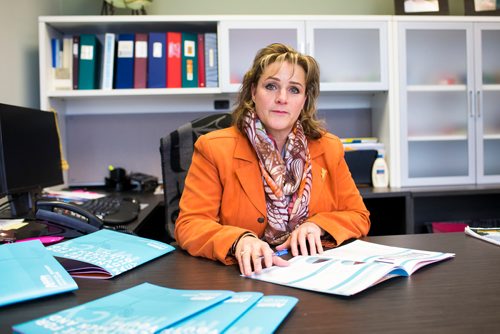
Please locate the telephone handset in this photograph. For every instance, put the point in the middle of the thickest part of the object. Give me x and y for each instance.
(69, 216)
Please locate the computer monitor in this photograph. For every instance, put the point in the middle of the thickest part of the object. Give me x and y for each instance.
(30, 158)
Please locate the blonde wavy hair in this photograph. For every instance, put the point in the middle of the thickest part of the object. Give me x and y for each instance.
(277, 52)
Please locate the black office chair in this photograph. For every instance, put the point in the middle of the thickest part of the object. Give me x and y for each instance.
(176, 150)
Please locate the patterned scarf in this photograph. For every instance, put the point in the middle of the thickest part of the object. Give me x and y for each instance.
(287, 178)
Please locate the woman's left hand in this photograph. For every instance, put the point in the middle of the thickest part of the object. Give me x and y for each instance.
(306, 238)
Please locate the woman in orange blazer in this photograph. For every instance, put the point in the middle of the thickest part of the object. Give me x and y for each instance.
(275, 178)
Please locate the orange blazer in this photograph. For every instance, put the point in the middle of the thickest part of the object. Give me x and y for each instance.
(223, 194)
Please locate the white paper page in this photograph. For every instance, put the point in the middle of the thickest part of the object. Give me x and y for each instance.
(409, 259)
(342, 277)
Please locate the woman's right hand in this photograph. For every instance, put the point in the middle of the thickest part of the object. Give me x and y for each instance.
(252, 253)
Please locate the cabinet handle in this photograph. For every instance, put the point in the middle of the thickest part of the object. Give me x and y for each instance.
(478, 101)
(470, 104)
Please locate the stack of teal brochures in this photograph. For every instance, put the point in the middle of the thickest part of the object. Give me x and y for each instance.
(148, 308)
(29, 271)
(106, 253)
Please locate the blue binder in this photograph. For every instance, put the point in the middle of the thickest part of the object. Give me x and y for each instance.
(157, 62)
(125, 61)
(211, 60)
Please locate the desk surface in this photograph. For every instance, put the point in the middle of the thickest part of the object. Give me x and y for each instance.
(460, 295)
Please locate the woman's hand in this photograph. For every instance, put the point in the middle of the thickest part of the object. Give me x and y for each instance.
(306, 238)
(252, 253)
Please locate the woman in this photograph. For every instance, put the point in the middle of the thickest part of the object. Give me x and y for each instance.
(275, 178)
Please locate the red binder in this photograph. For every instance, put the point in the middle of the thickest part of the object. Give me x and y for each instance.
(141, 60)
(76, 61)
(201, 60)
(174, 60)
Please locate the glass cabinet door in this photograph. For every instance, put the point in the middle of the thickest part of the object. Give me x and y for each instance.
(352, 55)
(436, 103)
(242, 40)
(487, 36)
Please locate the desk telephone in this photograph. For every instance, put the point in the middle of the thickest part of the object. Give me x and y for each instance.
(68, 216)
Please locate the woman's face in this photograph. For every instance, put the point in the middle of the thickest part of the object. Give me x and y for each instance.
(279, 97)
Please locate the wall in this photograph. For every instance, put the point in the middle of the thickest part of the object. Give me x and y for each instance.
(277, 7)
(19, 58)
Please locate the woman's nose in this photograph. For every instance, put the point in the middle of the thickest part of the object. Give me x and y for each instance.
(281, 96)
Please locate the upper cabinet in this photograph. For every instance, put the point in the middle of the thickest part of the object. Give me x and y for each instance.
(352, 51)
(241, 39)
(448, 98)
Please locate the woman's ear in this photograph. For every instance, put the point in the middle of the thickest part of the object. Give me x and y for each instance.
(253, 93)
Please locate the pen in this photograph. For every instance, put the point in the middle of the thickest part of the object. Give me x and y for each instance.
(278, 253)
(281, 252)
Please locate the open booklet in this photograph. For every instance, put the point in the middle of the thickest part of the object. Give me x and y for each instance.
(29, 272)
(485, 233)
(351, 268)
(149, 308)
(105, 253)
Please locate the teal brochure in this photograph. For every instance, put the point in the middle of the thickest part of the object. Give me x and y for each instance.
(145, 308)
(29, 272)
(106, 253)
(217, 318)
(265, 316)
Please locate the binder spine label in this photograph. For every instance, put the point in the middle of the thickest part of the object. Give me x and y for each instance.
(157, 50)
(87, 52)
(189, 70)
(189, 49)
(125, 49)
(141, 49)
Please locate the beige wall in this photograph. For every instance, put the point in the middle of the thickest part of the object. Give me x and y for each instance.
(19, 29)
(277, 7)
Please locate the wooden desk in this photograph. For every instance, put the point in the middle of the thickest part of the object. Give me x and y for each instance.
(456, 296)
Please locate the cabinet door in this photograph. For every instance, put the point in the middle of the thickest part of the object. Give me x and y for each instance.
(352, 55)
(241, 41)
(436, 103)
(487, 56)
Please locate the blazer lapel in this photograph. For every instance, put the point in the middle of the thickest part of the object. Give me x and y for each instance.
(248, 172)
(319, 174)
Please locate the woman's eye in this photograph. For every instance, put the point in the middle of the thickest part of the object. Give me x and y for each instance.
(270, 86)
(294, 90)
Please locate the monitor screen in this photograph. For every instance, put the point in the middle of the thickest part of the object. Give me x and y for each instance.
(30, 157)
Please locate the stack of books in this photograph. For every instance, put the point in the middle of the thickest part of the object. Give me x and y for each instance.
(135, 60)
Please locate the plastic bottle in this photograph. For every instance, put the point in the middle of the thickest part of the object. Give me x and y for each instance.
(380, 172)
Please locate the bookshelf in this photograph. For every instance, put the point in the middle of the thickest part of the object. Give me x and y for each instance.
(122, 127)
